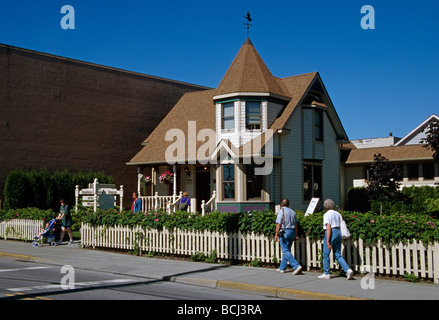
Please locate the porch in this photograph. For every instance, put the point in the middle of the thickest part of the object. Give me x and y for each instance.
(226, 187)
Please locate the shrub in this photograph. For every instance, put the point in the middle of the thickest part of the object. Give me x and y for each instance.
(367, 226)
(40, 189)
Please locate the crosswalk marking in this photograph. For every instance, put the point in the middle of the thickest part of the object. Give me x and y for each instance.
(74, 285)
(21, 269)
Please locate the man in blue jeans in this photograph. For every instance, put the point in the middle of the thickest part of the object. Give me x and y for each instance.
(287, 221)
(332, 240)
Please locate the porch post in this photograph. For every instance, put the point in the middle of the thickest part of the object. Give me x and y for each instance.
(174, 193)
(152, 180)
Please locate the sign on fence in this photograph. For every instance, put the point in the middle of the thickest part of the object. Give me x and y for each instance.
(312, 206)
(99, 195)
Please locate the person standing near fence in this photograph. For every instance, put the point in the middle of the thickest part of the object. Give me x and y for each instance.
(332, 241)
(184, 203)
(137, 203)
(287, 222)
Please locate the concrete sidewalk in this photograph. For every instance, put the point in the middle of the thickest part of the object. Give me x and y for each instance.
(263, 280)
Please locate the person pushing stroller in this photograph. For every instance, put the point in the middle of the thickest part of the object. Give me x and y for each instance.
(66, 221)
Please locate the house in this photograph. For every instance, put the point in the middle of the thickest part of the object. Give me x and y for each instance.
(247, 144)
(416, 161)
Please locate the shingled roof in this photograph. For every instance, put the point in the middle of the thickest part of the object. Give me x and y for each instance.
(247, 73)
(393, 153)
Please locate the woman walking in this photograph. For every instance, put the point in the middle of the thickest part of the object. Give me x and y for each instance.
(332, 240)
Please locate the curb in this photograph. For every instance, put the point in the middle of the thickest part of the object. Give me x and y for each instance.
(265, 290)
(21, 256)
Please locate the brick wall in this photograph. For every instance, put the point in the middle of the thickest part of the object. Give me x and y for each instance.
(61, 114)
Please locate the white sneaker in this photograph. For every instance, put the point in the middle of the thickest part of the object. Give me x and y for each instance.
(279, 270)
(349, 274)
(299, 268)
(70, 242)
(324, 277)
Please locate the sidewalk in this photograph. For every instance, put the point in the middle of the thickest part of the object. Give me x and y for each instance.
(304, 286)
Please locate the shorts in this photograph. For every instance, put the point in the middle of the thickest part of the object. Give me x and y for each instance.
(66, 223)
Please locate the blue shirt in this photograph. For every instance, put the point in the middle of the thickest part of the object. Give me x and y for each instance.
(290, 218)
(185, 200)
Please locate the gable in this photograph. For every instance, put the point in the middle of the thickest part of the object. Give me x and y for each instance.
(417, 134)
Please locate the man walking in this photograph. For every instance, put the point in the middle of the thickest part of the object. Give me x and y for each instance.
(286, 228)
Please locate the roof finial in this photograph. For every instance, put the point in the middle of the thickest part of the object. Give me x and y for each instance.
(248, 22)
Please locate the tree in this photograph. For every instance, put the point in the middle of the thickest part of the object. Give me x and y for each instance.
(432, 140)
(383, 185)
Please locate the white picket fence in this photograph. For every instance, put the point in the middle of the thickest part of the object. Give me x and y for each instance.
(398, 259)
(18, 229)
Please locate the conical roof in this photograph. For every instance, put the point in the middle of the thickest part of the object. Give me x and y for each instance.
(248, 73)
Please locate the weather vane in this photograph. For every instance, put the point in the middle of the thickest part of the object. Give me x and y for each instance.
(248, 22)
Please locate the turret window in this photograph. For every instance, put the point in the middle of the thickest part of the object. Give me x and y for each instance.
(228, 116)
(253, 115)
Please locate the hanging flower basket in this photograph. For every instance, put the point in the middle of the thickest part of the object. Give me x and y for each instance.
(166, 177)
(148, 179)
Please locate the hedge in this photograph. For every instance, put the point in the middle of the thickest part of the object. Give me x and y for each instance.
(368, 226)
(40, 189)
(413, 200)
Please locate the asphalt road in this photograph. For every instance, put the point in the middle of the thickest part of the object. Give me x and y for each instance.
(21, 280)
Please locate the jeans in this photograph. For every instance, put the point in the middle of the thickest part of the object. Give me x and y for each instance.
(336, 246)
(285, 244)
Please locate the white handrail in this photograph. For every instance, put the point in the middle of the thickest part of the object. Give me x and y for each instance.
(205, 204)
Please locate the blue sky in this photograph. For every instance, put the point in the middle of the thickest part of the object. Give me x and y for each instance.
(380, 81)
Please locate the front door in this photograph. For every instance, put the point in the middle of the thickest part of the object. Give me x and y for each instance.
(202, 185)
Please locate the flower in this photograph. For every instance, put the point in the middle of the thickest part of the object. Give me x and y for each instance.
(148, 179)
(166, 177)
(373, 221)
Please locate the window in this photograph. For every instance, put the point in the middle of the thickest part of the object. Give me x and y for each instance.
(312, 182)
(228, 118)
(318, 123)
(413, 171)
(228, 182)
(428, 171)
(254, 183)
(253, 115)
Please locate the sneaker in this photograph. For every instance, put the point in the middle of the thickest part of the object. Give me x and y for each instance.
(324, 277)
(59, 242)
(279, 270)
(299, 268)
(349, 274)
(70, 242)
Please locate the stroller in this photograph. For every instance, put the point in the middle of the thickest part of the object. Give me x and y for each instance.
(46, 233)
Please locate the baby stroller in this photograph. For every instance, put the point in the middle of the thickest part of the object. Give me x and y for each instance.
(46, 233)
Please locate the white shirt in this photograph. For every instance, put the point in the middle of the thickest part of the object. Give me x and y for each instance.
(332, 218)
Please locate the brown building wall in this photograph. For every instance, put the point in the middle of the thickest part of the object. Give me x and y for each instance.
(61, 114)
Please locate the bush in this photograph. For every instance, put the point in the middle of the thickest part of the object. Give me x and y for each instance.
(40, 189)
(367, 226)
(412, 200)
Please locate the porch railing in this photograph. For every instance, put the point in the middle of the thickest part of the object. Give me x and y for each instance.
(209, 205)
(168, 203)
